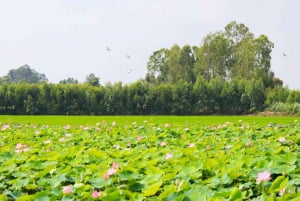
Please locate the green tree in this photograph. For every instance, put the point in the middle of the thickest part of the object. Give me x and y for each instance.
(92, 80)
(213, 57)
(69, 80)
(157, 66)
(25, 74)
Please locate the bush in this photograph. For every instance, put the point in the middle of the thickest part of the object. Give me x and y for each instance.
(287, 108)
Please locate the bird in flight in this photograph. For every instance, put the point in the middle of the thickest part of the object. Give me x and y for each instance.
(108, 49)
(128, 56)
(284, 54)
(129, 70)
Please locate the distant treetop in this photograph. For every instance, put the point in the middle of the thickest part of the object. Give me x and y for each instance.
(24, 74)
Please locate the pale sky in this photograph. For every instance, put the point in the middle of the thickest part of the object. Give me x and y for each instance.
(68, 38)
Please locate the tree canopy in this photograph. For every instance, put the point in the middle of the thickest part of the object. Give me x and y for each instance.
(24, 74)
(228, 54)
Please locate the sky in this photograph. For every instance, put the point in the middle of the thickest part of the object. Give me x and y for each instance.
(68, 38)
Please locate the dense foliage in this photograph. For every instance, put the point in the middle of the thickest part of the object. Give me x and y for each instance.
(230, 54)
(217, 96)
(23, 74)
(147, 161)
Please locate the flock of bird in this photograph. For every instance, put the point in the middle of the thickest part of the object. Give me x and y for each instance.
(129, 70)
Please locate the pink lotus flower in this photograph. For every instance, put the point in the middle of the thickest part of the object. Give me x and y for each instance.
(139, 138)
(61, 139)
(191, 145)
(282, 139)
(117, 146)
(19, 146)
(249, 144)
(5, 127)
(162, 144)
(282, 191)
(263, 176)
(96, 194)
(106, 176)
(26, 149)
(67, 127)
(111, 171)
(67, 190)
(168, 156)
(115, 166)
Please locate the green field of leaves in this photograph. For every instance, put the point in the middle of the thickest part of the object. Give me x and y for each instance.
(149, 158)
(174, 120)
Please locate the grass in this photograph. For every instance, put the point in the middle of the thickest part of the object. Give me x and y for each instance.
(182, 120)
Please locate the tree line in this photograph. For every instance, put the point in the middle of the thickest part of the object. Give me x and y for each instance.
(143, 98)
(228, 73)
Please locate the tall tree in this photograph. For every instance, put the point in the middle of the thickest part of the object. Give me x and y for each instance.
(92, 80)
(213, 57)
(25, 74)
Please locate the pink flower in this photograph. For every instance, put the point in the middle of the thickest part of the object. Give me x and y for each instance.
(61, 139)
(162, 144)
(191, 145)
(5, 127)
(139, 138)
(282, 191)
(117, 146)
(263, 176)
(168, 156)
(111, 171)
(106, 176)
(282, 139)
(96, 194)
(67, 127)
(249, 144)
(19, 146)
(67, 190)
(26, 149)
(115, 166)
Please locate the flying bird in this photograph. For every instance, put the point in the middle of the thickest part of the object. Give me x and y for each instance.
(129, 70)
(284, 54)
(128, 56)
(108, 49)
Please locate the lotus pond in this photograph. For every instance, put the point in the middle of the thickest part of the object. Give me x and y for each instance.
(149, 160)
